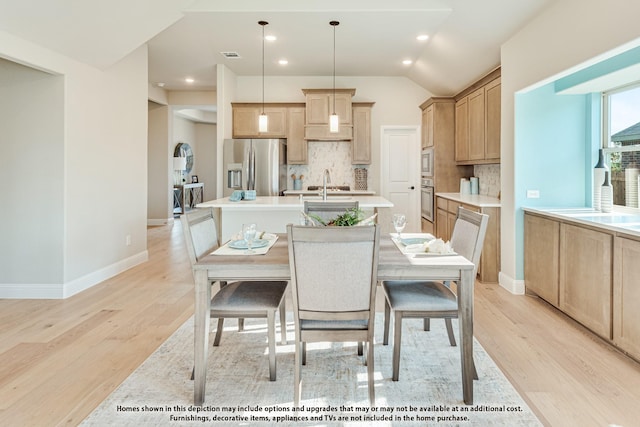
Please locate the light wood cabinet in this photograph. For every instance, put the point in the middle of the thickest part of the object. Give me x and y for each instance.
(542, 257)
(361, 143)
(477, 122)
(320, 104)
(245, 121)
(446, 213)
(626, 295)
(427, 126)
(296, 144)
(586, 276)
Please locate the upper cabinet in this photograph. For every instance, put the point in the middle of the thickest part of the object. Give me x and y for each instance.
(477, 122)
(361, 144)
(296, 144)
(427, 127)
(320, 104)
(245, 120)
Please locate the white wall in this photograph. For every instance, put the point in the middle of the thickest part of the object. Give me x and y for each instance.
(104, 179)
(160, 165)
(567, 36)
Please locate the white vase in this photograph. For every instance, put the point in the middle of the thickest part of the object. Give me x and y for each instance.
(606, 196)
(598, 180)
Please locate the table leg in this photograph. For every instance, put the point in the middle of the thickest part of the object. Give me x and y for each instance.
(465, 316)
(201, 331)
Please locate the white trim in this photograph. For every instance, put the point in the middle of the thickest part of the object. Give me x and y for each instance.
(66, 290)
(514, 286)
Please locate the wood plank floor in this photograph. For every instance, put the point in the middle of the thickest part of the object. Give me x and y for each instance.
(60, 358)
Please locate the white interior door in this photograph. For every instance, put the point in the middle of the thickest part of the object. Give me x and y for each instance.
(400, 172)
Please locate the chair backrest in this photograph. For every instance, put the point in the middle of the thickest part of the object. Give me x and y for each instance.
(467, 237)
(200, 233)
(328, 210)
(333, 271)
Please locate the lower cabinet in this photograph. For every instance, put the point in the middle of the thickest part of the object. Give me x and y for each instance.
(446, 212)
(589, 274)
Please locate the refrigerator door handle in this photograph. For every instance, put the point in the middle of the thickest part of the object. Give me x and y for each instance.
(251, 175)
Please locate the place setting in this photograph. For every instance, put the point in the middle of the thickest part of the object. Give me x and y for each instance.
(418, 245)
(249, 241)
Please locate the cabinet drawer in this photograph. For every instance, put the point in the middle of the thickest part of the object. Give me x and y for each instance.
(452, 206)
(441, 203)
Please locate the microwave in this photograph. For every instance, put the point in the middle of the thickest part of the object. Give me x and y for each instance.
(426, 161)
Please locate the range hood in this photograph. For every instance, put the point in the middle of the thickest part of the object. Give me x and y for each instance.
(320, 103)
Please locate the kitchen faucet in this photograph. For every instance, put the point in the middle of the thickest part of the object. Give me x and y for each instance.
(326, 177)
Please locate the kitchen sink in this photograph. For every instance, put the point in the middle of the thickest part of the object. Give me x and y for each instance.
(330, 197)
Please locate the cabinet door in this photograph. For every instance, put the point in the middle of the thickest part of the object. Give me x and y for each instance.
(427, 123)
(585, 277)
(317, 109)
(541, 256)
(296, 144)
(462, 130)
(245, 122)
(343, 108)
(492, 140)
(626, 296)
(476, 124)
(442, 224)
(361, 144)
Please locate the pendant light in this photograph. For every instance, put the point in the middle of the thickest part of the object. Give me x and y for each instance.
(334, 121)
(262, 118)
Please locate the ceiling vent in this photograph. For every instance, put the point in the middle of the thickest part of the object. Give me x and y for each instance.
(231, 55)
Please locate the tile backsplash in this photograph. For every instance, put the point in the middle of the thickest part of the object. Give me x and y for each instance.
(332, 155)
(488, 178)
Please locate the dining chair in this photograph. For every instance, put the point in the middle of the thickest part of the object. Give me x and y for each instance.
(241, 299)
(426, 299)
(333, 282)
(327, 211)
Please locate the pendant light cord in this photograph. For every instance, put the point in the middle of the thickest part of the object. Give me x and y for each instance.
(263, 23)
(334, 24)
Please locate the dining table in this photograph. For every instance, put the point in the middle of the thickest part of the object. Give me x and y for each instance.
(274, 265)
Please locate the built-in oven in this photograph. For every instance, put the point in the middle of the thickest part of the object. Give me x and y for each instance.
(427, 163)
(427, 198)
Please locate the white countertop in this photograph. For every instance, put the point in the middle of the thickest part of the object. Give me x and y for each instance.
(478, 200)
(621, 222)
(293, 202)
(330, 193)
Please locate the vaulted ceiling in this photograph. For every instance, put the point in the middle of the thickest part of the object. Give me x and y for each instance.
(186, 38)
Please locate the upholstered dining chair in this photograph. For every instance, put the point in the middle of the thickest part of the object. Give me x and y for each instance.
(333, 282)
(239, 300)
(425, 299)
(328, 210)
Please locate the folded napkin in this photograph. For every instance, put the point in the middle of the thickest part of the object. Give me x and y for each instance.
(227, 250)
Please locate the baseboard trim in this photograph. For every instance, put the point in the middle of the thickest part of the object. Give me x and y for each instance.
(514, 286)
(66, 290)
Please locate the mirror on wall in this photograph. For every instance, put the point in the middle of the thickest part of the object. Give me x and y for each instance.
(184, 150)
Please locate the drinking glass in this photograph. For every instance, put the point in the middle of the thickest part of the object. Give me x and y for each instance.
(399, 222)
(248, 234)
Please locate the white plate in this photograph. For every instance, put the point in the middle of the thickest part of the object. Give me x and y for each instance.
(242, 244)
(430, 254)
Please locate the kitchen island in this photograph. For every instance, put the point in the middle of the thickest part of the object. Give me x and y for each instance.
(272, 213)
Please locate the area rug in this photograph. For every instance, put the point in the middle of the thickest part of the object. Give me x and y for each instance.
(334, 385)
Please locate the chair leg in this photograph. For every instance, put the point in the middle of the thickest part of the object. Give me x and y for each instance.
(367, 355)
(240, 325)
(370, 370)
(271, 332)
(216, 339)
(452, 338)
(426, 324)
(397, 339)
(473, 368)
(283, 323)
(297, 380)
(360, 348)
(387, 315)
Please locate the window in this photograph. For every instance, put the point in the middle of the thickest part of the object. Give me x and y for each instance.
(622, 142)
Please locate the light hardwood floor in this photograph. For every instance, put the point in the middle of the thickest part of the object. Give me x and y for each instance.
(60, 358)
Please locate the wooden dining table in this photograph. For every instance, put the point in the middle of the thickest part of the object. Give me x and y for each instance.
(274, 265)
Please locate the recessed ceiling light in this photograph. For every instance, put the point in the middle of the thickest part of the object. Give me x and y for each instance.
(283, 62)
(407, 62)
(189, 80)
(422, 37)
(270, 38)
(160, 84)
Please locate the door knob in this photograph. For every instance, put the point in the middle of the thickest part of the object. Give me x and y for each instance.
(412, 188)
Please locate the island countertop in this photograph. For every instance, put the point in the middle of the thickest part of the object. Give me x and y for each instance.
(273, 213)
(293, 202)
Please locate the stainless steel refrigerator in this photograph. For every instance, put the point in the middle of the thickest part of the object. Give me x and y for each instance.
(255, 164)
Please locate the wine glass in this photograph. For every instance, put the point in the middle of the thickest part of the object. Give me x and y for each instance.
(248, 234)
(399, 222)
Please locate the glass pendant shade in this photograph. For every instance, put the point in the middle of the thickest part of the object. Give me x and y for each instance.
(263, 122)
(334, 123)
